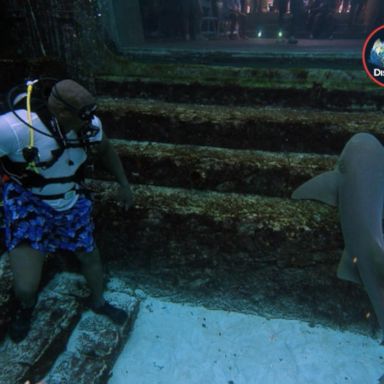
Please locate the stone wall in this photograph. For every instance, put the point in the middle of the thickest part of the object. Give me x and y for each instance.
(71, 31)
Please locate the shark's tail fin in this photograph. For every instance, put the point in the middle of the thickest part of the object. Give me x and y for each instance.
(323, 188)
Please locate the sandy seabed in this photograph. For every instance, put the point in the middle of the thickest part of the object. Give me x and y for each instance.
(185, 344)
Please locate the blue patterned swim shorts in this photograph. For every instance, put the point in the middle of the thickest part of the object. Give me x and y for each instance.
(29, 219)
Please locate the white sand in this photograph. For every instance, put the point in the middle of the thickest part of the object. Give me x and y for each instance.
(181, 344)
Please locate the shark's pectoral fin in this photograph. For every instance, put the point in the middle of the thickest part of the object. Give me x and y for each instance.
(323, 188)
(347, 269)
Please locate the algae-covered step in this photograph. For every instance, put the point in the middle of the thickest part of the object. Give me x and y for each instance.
(298, 77)
(253, 127)
(173, 226)
(218, 169)
(333, 89)
(217, 54)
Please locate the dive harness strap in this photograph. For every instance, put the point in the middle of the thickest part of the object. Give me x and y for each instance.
(19, 173)
(83, 190)
(78, 178)
(58, 195)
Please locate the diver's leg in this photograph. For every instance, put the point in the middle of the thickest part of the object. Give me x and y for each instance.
(26, 266)
(93, 272)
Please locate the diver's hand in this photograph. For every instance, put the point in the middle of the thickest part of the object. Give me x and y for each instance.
(125, 196)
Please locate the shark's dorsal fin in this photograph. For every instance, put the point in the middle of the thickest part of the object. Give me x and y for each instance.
(347, 269)
(323, 188)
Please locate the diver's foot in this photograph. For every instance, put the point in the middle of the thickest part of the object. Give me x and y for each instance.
(116, 315)
(20, 324)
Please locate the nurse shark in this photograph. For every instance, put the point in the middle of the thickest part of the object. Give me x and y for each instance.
(356, 187)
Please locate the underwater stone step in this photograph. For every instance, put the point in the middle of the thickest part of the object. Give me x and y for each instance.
(169, 227)
(229, 60)
(270, 129)
(326, 94)
(95, 343)
(218, 169)
(56, 313)
(240, 75)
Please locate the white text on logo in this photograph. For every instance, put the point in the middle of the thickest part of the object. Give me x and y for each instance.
(378, 72)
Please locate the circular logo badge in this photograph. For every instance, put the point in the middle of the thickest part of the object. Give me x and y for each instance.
(373, 56)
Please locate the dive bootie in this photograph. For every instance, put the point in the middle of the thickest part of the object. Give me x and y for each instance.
(116, 315)
(20, 324)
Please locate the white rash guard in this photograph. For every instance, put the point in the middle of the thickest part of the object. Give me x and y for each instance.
(14, 136)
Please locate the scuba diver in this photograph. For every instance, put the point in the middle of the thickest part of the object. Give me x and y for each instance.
(45, 207)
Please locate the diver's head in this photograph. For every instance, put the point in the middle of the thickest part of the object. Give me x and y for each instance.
(72, 105)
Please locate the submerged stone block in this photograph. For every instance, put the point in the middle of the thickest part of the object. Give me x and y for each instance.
(83, 369)
(94, 345)
(55, 315)
(91, 346)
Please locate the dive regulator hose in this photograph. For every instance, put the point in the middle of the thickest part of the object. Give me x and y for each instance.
(31, 148)
(16, 94)
(20, 90)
